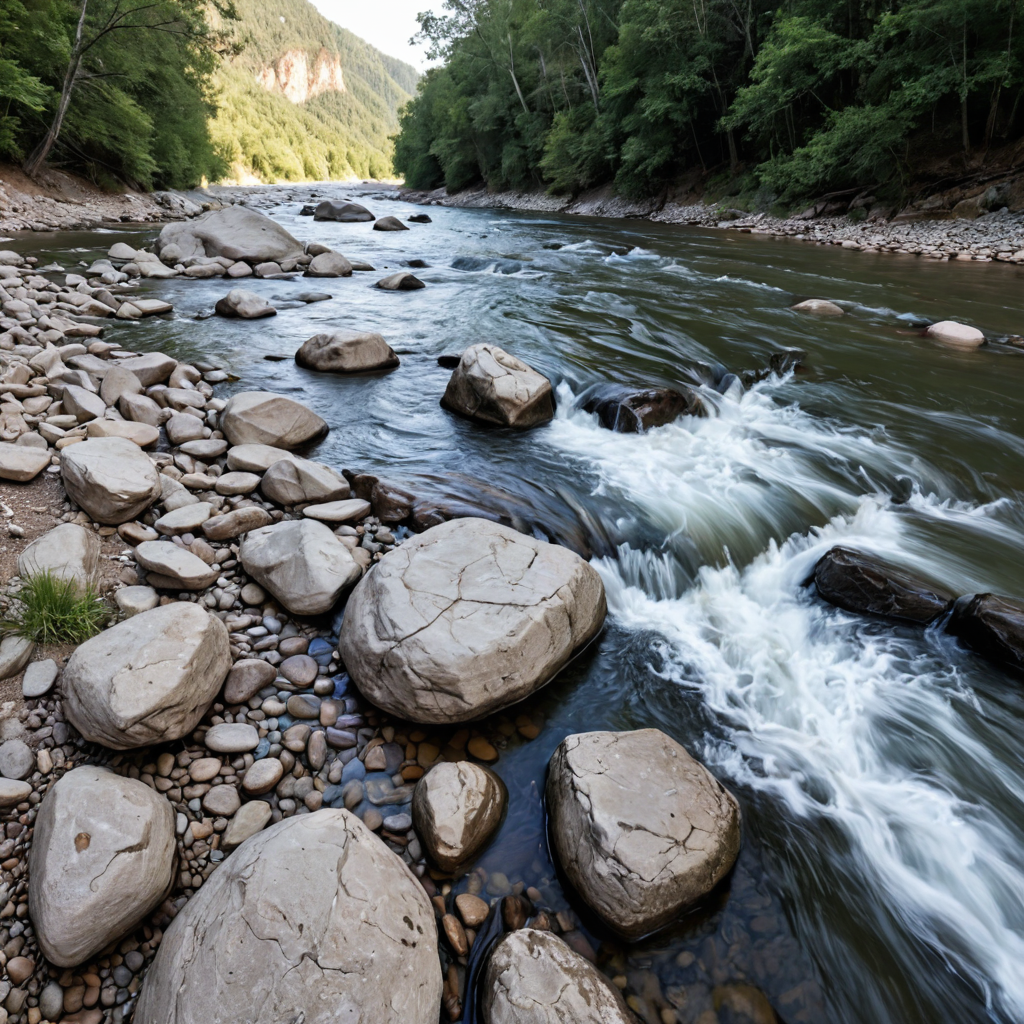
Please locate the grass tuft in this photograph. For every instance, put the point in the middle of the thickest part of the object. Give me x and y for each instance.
(50, 610)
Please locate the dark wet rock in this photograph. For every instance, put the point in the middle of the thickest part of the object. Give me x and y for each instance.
(390, 503)
(861, 582)
(401, 282)
(449, 362)
(630, 411)
(389, 224)
(779, 364)
(476, 263)
(420, 218)
(307, 211)
(346, 213)
(417, 264)
(991, 625)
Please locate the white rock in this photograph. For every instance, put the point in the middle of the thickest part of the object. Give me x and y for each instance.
(818, 307)
(183, 427)
(338, 511)
(142, 434)
(68, 551)
(949, 332)
(256, 458)
(294, 481)
(110, 478)
(151, 368)
(133, 600)
(15, 652)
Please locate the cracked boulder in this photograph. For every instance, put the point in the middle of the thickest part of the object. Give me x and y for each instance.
(313, 919)
(456, 807)
(493, 387)
(467, 618)
(102, 858)
(148, 679)
(263, 418)
(641, 829)
(533, 977)
(111, 478)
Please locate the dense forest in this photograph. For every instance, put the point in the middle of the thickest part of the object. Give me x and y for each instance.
(781, 99)
(164, 93)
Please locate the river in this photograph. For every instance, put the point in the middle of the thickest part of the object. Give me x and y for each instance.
(880, 768)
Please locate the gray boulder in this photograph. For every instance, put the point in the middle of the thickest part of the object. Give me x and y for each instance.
(22, 463)
(294, 481)
(261, 417)
(102, 858)
(346, 352)
(345, 213)
(389, 224)
(493, 387)
(148, 679)
(172, 567)
(329, 264)
(403, 281)
(301, 563)
(467, 618)
(311, 920)
(68, 551)
(111, 478)
(641, 829)
(244, 304)
(237, 232)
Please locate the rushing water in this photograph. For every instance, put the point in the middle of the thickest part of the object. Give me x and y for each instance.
(879, 767)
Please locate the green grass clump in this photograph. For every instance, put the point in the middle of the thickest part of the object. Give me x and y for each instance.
(50, 610)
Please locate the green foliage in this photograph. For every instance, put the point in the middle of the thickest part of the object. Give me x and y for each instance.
(50, 610)
(807, 95)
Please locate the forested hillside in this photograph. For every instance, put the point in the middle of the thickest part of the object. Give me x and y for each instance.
(782, 99)
(164, 93)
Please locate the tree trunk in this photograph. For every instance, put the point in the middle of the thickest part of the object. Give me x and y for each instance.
(512, 72)
(964, 128)
(42, 151)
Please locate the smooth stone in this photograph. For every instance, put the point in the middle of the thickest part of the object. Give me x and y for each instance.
(245, 304)
(39, 678)
(238, 233)
(234, 524)
(294, 481)
(222, 801)
(141, 434)
(949, 332)
(304, 707)
(338, 511)
(346, 352)
(818, 307)
(13, 792)
(185, 570)
(68, 552)
(232, 738)
(473, 910)
(256, 458)
(252, 594)
(203, 769)
(401, 282)
(16, 760)
(632, 411)
(117, 382)
(205, 450)
(151, 368)
(110, 478)
(15, 652)
(82, 404)
(344, 212)
(991, 625)
(299, 669)
(187, 519)
(327, 264)
(182, 427)
(22, 463)
(389, 224)
(134, 600)
(262, 417)
(247, 677)
(251, 818)
(263, 776)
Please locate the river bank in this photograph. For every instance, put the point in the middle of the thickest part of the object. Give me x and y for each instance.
(982, 236)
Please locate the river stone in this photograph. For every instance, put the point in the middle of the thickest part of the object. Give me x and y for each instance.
(641, 829)
(222, 801)
(240, 302)
(236, 232)
(346, 213)
(68, 551)
(312, 919)
(148, 679)
(262, 776)
(142, 409)
(949, 332)
(329, 264)
(630, 411)
(207, 450)
(861, 582)
(184, 570)
(251, 818)
(818, 307)
(338, 511)
(151, 368)
(232, 738)
(256, 458)
(117, 382)
(493, 387)
(235, 483)
(13, 792)
(346, 352)
(110, 478)
(247, 677)
(456, 808)
(83, 405)
(21, 462)
(295, 481)
(102, 858)
(183, 427)
(301, 563)
(993, 626)
(16, 760)
(261, 417)
(141, 434)
(467, 618)
(533, 977)
(403, 281)
(134, 600)
(389, 224)
(187, 519)
(39, 678)
(234, 524)
(15, 652)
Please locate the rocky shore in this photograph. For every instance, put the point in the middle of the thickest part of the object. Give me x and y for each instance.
(259, 791)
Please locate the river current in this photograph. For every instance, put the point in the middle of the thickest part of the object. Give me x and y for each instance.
(880, 768)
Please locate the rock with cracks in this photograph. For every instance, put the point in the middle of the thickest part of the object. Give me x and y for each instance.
(467, 618)
(111, 478)
(311, 920)
(102, 858)
(533, 977)
(493, 387)
(148, 679)
(641, 829)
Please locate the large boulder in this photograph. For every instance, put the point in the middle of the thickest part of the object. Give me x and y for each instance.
(111, 478)
(148, 679)
(389, 224)
(467, 618)
(301, 563)
(68, 551)
(244, 304)
(294, 481)
(346, 352)
(311, 920)
(346, 213)
(533, 977)
(641, 829)
(21, 462)
(861, 582)
(329, 264)
(261, 417)
(102, 858)
(632, 411)
(456, 808)
(493, 387)
(237, 232)
(993, 626)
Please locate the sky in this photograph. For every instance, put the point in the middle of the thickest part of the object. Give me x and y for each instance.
(385, 24)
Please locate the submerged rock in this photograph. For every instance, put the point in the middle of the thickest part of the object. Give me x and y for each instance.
(641, 829)
(818, 307)
(993, 626)
(949, 332)
(861, 582)
(629, 411)
(467, 618)
(346, 352)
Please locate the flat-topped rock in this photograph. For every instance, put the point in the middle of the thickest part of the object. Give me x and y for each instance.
(293, 481)
(151, 368)
(187, 519)
(210, 448)
(142, 434)
(255, 458)
(467, 618)
(247, 677)
(491, 386)
(338, 511)
(262, 417)
(346, 352)
(345, 213)
(134, 600)
(148, 679)
(13, 792)
(110, 478)
(22, 463)
(641, 829)
(232, 738)
(312, 919)
(234, 524)
(177, 567)
(237, 232)
(102, 858)
(68, 551)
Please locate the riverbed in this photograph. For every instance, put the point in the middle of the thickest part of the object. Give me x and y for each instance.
(879, 768)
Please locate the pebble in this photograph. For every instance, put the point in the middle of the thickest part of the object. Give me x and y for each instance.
(19, 969)
(222, 801)
(13, 791)
(253, 817)
(263, 776)
(204, 769)
(472, 909)
(372, 819)
(300, 670)
(39, 678)
(292, 645)
(304, 706)
(398, 822)
(252, 594)
(232, 738)
(482, 750)
(376, 760)
(16, 760)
